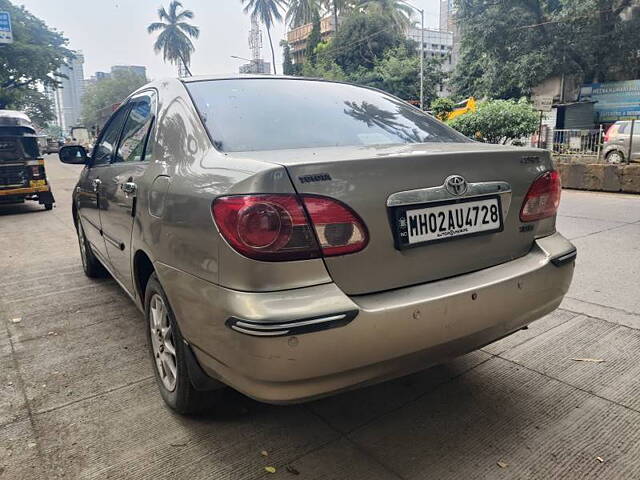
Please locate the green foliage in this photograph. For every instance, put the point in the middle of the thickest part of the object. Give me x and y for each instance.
(36, 105)
(398, 72)
(363, 39)
(174, 39)
(313, 41)
(105, 93)
(301, 12)
(498, 121)
(442, 107)
(324, 68)
(509, 47)
(396, 11)
(29, 61)
(287, 63)
(53, 130)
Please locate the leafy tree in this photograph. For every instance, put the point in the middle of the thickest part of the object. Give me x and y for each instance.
(442, 107)
(314, 40)
(324, 68)
(508, 47)
(398, 12)
(337, 7)
(363, 39)
(498, 121)
(301, 12)
(36, 105)
(36, 52)
(107, 92)
(398, 72)
(287, 62)
(266, 11)
(174, 39)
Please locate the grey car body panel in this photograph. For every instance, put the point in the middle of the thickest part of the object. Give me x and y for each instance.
(207, 282)
(620, 142)
(395, 332)
(361, 178)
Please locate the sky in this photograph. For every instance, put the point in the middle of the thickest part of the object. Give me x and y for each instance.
(113, 32)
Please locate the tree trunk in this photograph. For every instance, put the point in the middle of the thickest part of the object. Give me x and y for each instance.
(335, 15)
(273, 53)
(186, 67)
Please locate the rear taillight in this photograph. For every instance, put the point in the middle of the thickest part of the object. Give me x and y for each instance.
(543, 198)
(339, 229)
(277, 228)
(611, 132)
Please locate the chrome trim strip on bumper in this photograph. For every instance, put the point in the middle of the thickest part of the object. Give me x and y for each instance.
(438, 194)
(294, 327)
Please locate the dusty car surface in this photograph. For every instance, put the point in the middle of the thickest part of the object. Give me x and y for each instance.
(292, 238)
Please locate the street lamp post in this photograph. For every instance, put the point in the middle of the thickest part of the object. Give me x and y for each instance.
(421, 12)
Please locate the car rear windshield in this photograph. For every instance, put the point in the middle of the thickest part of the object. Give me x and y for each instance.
(276, 114)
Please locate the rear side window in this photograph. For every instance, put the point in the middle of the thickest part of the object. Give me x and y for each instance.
(622, 127)
(276, 114)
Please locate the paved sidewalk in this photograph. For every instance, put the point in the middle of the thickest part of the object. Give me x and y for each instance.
(77, 397)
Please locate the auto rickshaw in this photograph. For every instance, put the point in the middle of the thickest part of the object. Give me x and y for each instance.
(22, 172)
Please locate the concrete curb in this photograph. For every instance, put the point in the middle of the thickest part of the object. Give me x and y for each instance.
(600, 177)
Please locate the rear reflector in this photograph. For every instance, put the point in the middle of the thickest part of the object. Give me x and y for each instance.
(543, 198)
(277, 227)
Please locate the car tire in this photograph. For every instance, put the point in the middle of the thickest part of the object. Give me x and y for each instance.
(90, 263)
(614, 157)
(48, 206)
(168, 353)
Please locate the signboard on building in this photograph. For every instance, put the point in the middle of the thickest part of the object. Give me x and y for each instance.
(6, 34)
(614, 100)
(543, 104)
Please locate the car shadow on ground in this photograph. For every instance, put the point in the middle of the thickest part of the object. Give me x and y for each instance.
(20, 208)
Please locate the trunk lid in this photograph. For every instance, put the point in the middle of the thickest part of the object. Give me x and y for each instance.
(365, 178)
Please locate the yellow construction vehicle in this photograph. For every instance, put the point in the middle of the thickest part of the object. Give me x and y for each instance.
(466, 106)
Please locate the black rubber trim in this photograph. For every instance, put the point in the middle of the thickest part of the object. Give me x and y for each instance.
(199, 379)
(565, 258)
(288, 327)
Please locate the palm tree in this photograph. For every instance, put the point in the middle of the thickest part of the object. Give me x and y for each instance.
(301, 12)
(335, 7)
(266, 11)
(395, 10)
(173, 40)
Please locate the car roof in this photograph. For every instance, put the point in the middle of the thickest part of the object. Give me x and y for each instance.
(243, 76)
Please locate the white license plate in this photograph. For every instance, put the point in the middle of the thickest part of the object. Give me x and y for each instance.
(448, 221)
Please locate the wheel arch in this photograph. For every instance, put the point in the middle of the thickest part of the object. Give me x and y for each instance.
(615, 150)
(142, 270)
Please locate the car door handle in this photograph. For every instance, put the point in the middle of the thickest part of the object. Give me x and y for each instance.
(129, 188)
(96, 184)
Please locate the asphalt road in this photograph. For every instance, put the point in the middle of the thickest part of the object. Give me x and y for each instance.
(77, 397)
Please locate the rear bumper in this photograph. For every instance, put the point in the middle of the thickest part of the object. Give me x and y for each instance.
(24, 190)
(394, 333)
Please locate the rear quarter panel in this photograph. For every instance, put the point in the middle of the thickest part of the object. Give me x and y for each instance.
(187, 238)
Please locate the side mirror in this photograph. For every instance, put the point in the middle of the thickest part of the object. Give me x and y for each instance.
(74, 154)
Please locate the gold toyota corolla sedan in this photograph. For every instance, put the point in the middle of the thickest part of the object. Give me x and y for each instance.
(292, 238)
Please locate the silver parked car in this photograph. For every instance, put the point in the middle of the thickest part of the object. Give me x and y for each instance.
(616, 142)
(292, 238)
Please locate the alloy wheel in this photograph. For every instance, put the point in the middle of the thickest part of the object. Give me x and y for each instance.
(162, 342)
(614, 157)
